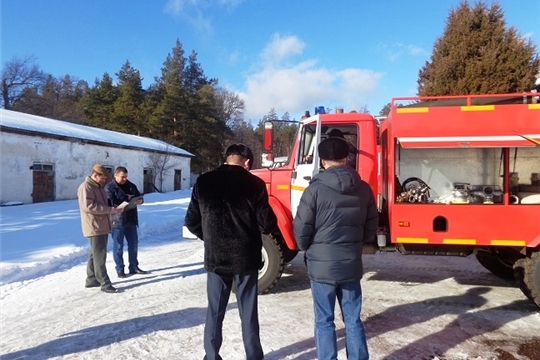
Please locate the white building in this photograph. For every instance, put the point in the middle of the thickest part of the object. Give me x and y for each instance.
(46, 160)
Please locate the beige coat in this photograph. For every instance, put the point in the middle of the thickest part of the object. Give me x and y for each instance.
(95, 211)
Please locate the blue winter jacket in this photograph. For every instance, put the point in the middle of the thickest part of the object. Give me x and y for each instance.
(336, 214)
(117, 196)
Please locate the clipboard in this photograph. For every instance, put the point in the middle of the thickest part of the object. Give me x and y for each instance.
(132, 204)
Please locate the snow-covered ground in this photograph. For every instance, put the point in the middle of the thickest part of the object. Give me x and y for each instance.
(414, 307)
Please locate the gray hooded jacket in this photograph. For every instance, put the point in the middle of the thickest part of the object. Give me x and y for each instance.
(336, 214)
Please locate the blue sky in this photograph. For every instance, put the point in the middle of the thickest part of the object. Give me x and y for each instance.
(290, 55)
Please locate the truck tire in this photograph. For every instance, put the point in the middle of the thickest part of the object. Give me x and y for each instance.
(527, 273)
(273, 264)
(288, 254)
(497, 264)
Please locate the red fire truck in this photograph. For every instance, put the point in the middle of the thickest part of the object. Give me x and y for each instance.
(454, 176)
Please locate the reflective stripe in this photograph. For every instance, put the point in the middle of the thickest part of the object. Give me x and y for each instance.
(508, 242)
(460, 241)
(412, 110)
(412, 240)
(478, 108)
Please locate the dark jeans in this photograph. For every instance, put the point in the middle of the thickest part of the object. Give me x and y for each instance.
(349, 297)
(218, 292)
(130, 233)
(96, 271)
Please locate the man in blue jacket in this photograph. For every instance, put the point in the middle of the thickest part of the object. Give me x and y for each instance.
(228, 211)
(120, 189)
(336, 214)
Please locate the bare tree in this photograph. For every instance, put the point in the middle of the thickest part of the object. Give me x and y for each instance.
(229, 106)
(161, 162)
(19, 74)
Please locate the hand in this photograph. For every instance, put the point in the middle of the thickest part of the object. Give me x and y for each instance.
(115, 210)
(140, 201)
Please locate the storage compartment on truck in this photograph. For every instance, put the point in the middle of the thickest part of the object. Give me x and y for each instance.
(466, 175)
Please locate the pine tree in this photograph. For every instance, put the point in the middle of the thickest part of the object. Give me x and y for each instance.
(99, 103)
(59, 99)
(477, 54)
(169, 121)
(193, 75)
(128, 113)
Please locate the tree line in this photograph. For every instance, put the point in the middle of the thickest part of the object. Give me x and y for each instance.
(182, 107)
(476, 54)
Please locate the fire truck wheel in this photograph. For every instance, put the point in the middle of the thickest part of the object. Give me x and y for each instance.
(273, 264)
(527, 272)
(288, 254)
(498, 265)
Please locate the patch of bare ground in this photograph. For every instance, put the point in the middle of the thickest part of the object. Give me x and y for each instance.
(527, 350)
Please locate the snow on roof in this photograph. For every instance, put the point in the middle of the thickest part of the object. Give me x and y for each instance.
(42, 125)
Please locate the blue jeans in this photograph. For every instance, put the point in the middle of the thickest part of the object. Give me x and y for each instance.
(349, 296)
(130, 233)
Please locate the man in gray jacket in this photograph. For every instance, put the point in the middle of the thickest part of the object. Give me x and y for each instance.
(336, 214)
(96, 226)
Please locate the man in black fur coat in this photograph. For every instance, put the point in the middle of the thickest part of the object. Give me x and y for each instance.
(228, 210)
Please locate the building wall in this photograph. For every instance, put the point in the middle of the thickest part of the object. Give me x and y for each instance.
(72, 161)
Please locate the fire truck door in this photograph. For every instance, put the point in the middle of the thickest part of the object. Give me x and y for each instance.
(307, 161)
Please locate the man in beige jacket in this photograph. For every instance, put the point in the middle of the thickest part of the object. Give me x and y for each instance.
(96, 226)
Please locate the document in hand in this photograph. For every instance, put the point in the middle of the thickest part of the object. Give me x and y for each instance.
(131, 204)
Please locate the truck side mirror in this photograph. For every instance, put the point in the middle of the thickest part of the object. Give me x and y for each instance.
(267, 160)
(268, 136)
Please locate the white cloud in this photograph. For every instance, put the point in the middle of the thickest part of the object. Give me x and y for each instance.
(282, 47)
(396, 51)
(529, 35)
(192, 12)
(234, 57)
(231, 3)
(195, 12)
(177, 7)
(302, 85)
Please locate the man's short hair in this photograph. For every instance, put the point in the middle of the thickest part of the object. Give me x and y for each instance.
(241, 150)
(120, 169)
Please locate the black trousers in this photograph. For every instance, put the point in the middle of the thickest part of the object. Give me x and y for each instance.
(218, 291)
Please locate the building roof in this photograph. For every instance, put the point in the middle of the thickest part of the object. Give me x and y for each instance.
(37, 125)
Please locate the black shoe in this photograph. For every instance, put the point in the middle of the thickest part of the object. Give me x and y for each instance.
(137, 271)
(109, 289)
(92, 285)
(121, 274)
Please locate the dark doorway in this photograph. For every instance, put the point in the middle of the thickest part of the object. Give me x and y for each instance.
(148, 181)
(43, 182)
(177, 179)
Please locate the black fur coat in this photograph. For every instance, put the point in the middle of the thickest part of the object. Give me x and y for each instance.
(228, 211)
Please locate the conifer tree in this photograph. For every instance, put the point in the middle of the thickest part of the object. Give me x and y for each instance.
(478, 54)
(59, 99)
(99, 101)
(169, 121)
(193, 74)
(128, 114)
